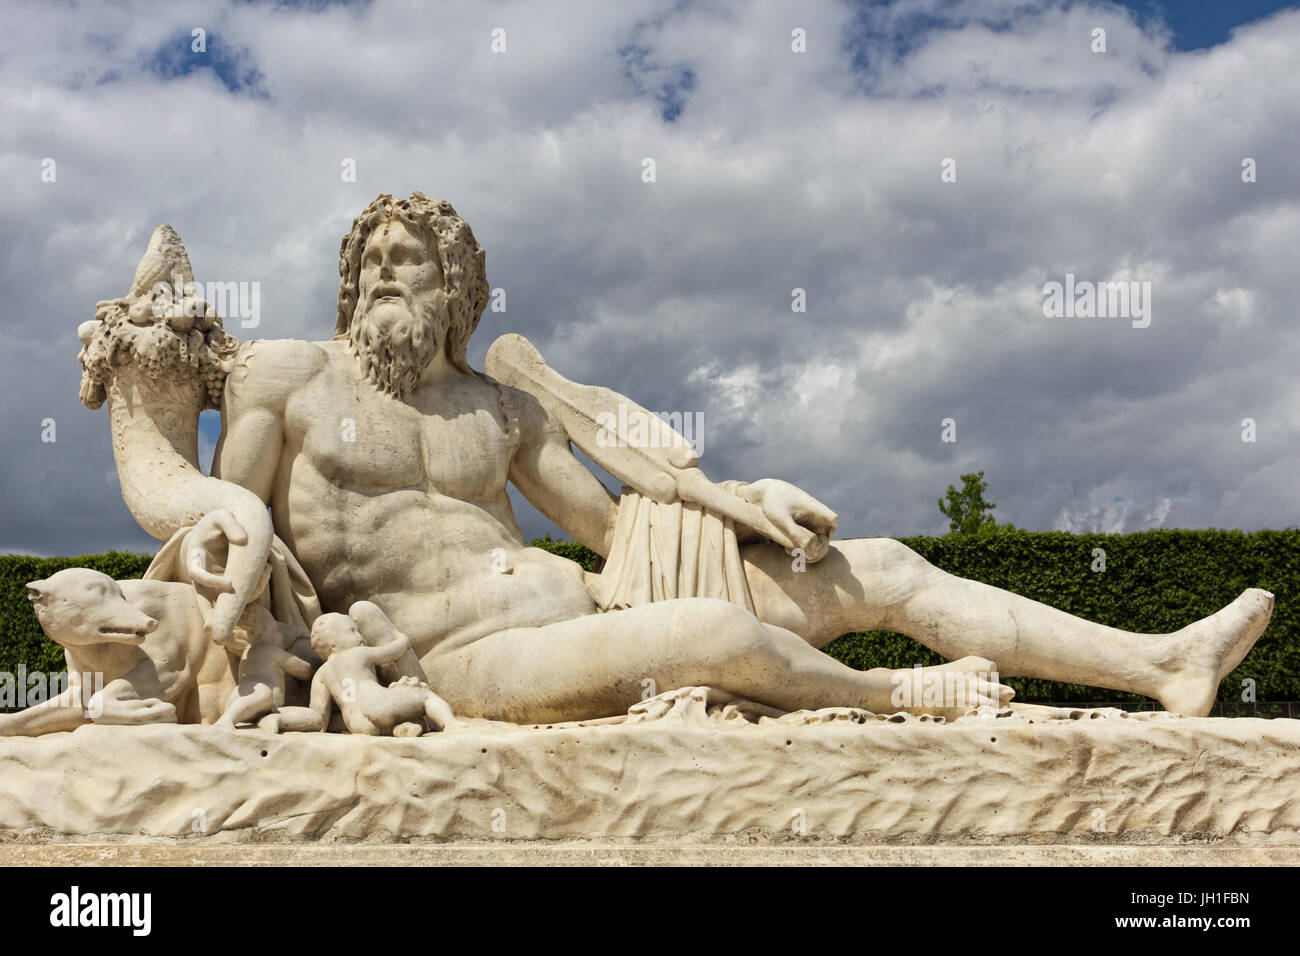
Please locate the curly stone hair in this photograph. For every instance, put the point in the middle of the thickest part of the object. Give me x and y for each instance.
(463, 269)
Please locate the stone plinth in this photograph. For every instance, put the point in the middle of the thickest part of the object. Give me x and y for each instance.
(834, 781)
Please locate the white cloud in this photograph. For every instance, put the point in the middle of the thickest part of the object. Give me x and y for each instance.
(817, 170)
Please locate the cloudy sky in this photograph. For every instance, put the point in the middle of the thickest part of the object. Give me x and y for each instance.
(775, 170)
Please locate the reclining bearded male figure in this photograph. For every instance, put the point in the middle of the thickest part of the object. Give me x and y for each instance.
(385, 459)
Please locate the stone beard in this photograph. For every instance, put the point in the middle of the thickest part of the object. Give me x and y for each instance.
(395, 343)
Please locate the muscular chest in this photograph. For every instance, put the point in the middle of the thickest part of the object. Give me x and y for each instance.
(457, 444)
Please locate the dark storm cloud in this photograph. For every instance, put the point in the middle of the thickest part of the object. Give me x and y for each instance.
(774, 171)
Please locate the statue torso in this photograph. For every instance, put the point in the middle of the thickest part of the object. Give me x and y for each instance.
(404, 503)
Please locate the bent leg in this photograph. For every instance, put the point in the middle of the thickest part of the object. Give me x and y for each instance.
(133, 699)
(438, 712)
(64, 711)
(602, 664)
(251, 700)
(402, 703)
(872, 583)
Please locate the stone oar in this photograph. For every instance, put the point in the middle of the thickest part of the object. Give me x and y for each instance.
(662, 465)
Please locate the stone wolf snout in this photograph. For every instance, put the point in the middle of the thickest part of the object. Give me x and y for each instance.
(79, 606)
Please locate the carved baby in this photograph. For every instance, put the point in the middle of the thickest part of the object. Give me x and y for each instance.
(348, 679)
(263, 667)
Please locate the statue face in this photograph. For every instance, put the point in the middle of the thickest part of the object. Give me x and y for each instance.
(401, 320)
(399, 277)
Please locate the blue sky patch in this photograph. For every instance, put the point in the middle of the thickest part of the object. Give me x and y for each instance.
(233, 66)
(669, 85)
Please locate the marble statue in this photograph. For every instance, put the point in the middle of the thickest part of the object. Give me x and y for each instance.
(159, 355)
(351, 572)
(384, 459)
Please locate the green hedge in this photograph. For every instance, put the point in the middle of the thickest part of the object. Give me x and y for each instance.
(1155, 581)
(572, 550)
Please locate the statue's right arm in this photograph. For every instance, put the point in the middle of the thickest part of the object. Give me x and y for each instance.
(294, 666)
(253, 406)
(258, 390)
(252, 433)
(386, 653)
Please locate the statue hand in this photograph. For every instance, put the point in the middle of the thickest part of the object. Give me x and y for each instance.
(210, 544)
(807, 522)
(207, 545)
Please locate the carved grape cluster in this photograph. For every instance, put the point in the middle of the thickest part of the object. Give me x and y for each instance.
(157, 349)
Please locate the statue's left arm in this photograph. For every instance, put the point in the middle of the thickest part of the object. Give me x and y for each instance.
(549, 475)
(592, 418)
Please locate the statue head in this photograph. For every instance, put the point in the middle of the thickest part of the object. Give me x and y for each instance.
(83, 606)
(411, 282)
(331, 633)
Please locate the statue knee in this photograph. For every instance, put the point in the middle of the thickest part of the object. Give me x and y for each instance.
(716, 628)
(892, 555)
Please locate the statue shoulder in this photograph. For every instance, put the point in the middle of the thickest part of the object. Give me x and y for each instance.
(520, 406)
(267, 371)
(527, 420)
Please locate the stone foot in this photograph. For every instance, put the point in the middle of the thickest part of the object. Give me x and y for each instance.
(1210, 649)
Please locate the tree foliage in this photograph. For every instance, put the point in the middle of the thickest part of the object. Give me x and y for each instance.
(967, 511)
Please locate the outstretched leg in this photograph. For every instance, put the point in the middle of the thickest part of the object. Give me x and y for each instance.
(869, 583)
(602, 664)
(66, 711)
(249, 701)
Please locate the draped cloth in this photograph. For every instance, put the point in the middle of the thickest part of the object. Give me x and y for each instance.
(661, 552)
